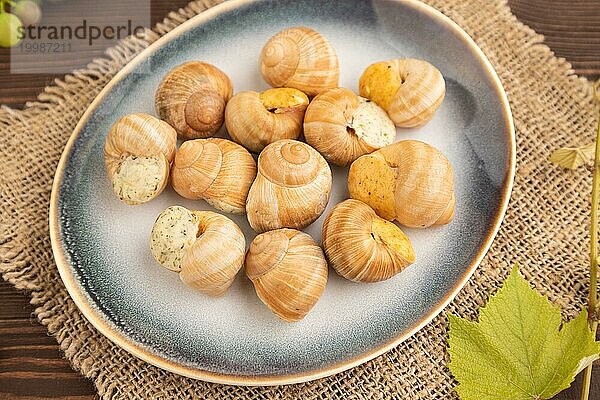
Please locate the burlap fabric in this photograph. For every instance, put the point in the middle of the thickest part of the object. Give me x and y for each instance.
(544, 229)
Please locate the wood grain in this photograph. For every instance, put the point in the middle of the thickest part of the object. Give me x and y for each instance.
(571, 28)
(31, 364)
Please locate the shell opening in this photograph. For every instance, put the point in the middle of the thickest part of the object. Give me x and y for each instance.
(204, 110)
(203, 223)
(280, 100)
(139, 179)
(392, 237)
(371, 124)
(380, 82)
(174, 231)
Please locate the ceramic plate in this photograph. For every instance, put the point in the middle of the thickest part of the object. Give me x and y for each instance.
(101, 245)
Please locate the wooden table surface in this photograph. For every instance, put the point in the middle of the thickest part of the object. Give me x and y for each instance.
(31, 364)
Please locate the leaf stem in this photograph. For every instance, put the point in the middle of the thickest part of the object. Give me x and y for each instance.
(593, 295)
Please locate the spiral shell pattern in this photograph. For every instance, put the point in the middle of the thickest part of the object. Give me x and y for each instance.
(363, 247)
(291, 189)
(216, 170)
(301, 58)
(192, 98)
(288, 270)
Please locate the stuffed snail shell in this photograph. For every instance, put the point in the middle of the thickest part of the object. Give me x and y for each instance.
(256, 120)
(409, 181)
(138, 151)
(363, 247)
(206, 248)
(343, 126)
(409, 90)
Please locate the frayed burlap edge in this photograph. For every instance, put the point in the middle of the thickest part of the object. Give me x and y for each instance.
(545, 228)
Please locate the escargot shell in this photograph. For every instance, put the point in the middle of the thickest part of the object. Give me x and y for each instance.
(216, 170)
(138, 151)
(291, 189)
(363, 247)
(206, 249)
(255, 120)
(288, 270)
(301, 58)
(192, 98)
(343, 126)
(410, 90)
(410, 181)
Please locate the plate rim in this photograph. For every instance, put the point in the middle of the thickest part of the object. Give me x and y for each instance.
(96, 318)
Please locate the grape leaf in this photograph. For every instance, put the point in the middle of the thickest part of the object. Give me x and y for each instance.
(573, 157)
(518, 350)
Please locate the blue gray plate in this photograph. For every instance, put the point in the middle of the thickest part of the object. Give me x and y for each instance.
(101, 245)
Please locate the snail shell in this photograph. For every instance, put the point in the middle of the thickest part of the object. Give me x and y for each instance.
(300, 58)
(363, 247)
(409, 90)
(138, 151)
(291, 189)
(343, 126)
(192, 99)
(206, 248)
(216, 170)
(288, 270)
(409, 181)
(255, 120)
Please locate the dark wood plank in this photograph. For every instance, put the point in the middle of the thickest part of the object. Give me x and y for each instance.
(571, 29)
(31, 364)
(17, 89)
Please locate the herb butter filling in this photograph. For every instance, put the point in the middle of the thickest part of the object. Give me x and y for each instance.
(138, 179)
(174, 231)
(372, 124)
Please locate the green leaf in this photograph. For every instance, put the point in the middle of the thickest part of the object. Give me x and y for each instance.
(518, 350)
